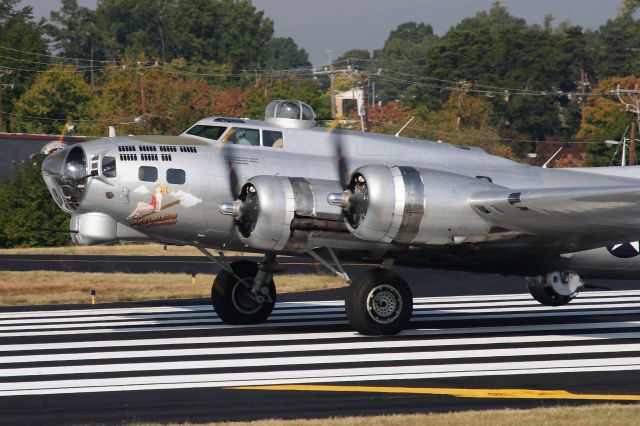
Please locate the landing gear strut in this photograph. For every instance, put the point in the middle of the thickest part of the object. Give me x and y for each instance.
(555, 288)
(243, 292)
(379, 302)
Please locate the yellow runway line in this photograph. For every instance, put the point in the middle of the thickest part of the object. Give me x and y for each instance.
(457, 392)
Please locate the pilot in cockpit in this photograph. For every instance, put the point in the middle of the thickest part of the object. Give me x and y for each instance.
(241, 138)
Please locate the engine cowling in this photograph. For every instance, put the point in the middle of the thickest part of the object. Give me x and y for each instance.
(267, 206)
(410, 206)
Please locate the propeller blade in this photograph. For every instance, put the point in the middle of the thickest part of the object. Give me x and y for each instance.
(340, 159)
(232, 174)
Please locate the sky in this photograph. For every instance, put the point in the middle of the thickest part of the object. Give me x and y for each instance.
(319, 26)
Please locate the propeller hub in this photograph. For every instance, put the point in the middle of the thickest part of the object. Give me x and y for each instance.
(340, 199)
(231, 209)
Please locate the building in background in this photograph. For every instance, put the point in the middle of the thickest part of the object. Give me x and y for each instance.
(16, 148)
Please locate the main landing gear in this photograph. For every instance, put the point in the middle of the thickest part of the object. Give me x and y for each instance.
(244, 291)
(379, 302)
(246, 295)
(555, 288)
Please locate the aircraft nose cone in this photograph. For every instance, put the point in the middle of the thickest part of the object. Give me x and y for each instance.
(70, 163)
(54, 163)
(65, 173)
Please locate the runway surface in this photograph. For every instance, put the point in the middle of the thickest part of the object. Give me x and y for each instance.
(177, 361)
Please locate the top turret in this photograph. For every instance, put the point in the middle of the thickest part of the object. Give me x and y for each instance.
(290, 113)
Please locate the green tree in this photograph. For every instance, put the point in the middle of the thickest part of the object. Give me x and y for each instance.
(73, 30)
(223, 31)
(117, 100)
(219, 31)
(23, 52)
(174, 101)
(58, 95)
(354, 56)
(495, 51)
(402, 56)
(616, 44)
(309, 91)
(284, 54)
(74, 34)
(28, 209)
(463, 120)
(629, 7)
(144, 27)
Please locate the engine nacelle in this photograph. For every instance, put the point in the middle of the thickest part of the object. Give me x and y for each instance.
(94, 228)
(267, 206)
(411, 206)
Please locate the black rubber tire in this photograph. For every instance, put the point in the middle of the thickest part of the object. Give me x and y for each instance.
(242, 310)
(548, 297)
(372, 282)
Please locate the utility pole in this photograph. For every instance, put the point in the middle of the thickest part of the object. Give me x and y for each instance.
(332, 78)
(331, 72)
(143, 100)
(461, 91)
(3, 72)
(364, 114)
(583, 88)
(631, 101)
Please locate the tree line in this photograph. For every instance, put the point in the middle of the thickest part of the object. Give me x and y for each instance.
(156, 66)
(492, 79)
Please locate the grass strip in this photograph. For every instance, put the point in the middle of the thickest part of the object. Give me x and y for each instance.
(588, 415)
(149, 249)
(47, 287)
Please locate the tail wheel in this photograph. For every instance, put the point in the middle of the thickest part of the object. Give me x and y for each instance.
(555, 288)
(233, 300)
(379, 302)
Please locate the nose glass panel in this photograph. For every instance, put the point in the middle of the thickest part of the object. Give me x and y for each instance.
(65, 173)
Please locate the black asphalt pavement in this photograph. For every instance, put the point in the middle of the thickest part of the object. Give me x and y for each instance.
(475, 342)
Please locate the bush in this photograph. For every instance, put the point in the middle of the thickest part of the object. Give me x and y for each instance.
(28, 210)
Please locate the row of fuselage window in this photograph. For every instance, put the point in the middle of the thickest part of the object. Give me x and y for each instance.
(153, 148)
(145, 173)
(150, 174)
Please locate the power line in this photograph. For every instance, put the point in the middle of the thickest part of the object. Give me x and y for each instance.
(410, 79)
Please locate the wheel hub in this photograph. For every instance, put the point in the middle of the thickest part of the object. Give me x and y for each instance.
(384, 304)
(565, 283)
(244, 300)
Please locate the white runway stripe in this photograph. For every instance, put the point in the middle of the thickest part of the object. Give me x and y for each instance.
(486, 300)
(267, 338)
(497, 345)
(319, 359)
(317, 376)
(440, 315)
(296, 320)
(318, 347)
(167, 327)
(283, 311)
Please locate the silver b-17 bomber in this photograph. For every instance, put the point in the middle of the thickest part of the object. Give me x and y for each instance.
(283, 186)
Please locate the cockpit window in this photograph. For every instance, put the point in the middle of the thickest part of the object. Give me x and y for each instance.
(272, 138)
(109, 167)
(243, 136)
(209, 132)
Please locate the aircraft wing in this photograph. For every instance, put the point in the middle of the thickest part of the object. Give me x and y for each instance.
(586, 211)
